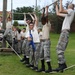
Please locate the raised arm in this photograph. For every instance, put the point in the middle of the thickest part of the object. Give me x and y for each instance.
(36, 20)
(59, 13)
(47, 10)
(25, 17)
(43, 14)
(10, 15)
(47, 13)
(31, 16)
(61, 9)
(26, 20)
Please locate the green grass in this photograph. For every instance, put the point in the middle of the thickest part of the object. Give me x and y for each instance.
(11, 64)
(21, 27)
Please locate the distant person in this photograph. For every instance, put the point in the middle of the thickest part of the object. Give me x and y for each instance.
(8, 32)
(19, 41)
(15, 40)
(23, 34)
(40, 33)
(9, 21)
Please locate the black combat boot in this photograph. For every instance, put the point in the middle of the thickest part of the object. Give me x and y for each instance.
(49, 68)
(24, 58)
(35, 68)
(27, 62)
(42, 67)
(61, 67)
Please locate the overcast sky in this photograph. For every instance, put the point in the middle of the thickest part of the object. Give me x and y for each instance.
(21, 3)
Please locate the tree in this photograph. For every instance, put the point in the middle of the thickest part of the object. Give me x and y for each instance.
(22, 10)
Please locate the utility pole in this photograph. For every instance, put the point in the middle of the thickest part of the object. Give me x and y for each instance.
(12, 9)
(36, 6)
(4, 13)
(4, 18)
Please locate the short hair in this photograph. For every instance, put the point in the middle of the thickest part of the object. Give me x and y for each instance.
(31, 23)
(19, 30)
(72, 6)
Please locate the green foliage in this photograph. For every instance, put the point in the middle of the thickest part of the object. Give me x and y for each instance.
(15, 23)
(56, 22)
(22, 10)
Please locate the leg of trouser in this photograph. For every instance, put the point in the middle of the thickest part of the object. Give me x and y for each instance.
(19, 47)
(16, 47)
(27, 50)
(24, 51)
(47, 55)
(47, 51)
(36, 54)
(32, 56)
(23, 47)
(61, 46)
(13, 44)
(41, 51)
(42, 57)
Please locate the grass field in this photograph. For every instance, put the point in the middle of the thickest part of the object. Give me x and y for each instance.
(11, 65)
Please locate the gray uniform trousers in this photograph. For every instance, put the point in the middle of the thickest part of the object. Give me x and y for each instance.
(45, 50)
(15, 47)
(19, 46)
(23, 45)
(8, 36)
(27, 49)
(34, 55)
(61, 46)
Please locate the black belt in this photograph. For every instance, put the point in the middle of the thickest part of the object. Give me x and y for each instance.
(44, 39)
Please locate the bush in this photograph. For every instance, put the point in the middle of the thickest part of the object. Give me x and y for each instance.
(15, 23)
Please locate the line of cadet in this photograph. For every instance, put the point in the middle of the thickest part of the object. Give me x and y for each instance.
(34, 43)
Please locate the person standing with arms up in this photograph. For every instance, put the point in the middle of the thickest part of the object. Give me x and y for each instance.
(45, 43)
(64, 36)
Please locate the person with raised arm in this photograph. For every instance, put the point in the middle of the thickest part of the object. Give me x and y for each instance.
(68, 15)
(45, 43)
(34, 41)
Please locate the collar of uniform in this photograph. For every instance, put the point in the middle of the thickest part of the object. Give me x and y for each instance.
(32, 30)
